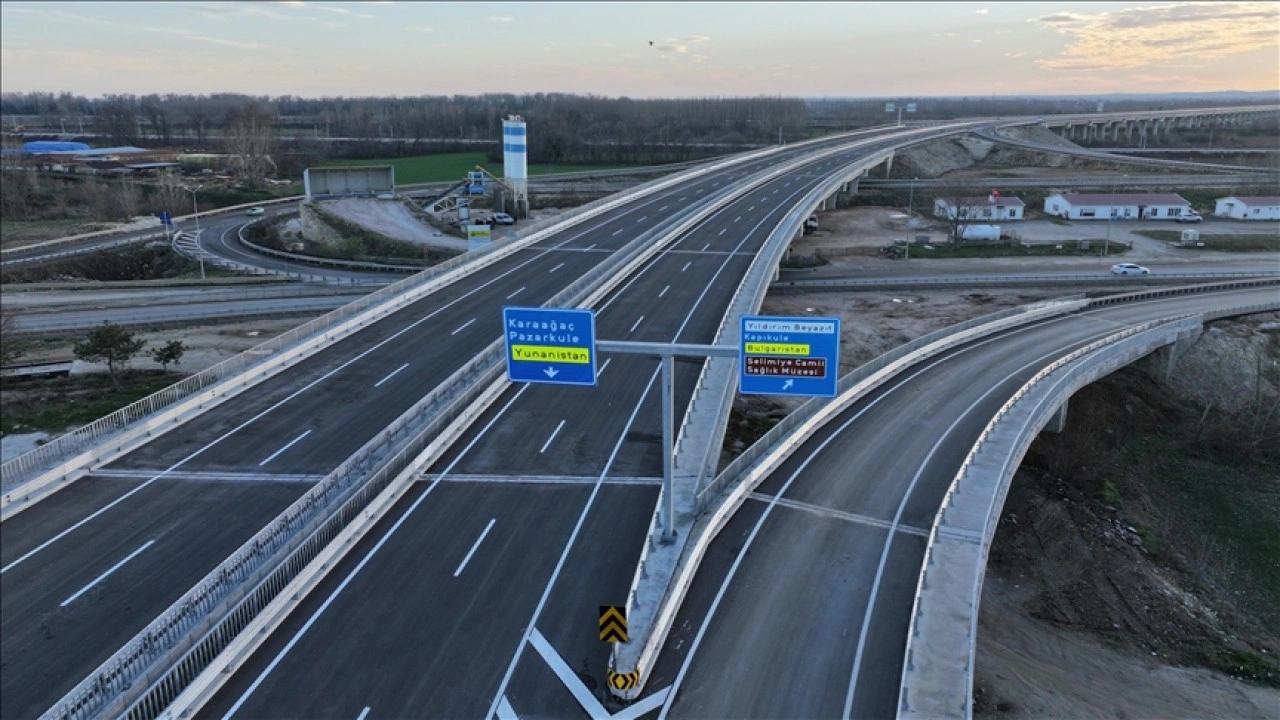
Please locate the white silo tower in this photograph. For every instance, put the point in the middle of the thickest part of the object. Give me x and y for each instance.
(515, 163)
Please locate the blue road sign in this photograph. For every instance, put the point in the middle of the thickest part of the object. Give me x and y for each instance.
(166, 218)
(550, 345)
(789, 356)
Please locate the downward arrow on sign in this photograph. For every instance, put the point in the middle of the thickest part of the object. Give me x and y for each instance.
(551, 372)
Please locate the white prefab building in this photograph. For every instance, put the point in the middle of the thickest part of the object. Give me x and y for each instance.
(1248, 208)
(979, 208)
(1117, 206)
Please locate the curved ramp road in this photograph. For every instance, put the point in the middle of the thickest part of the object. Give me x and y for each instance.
(802, 606)
(519, 534)
(206, 486)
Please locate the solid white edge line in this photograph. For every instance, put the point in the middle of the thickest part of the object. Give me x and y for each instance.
(276, 454)
(568, 546)
(555, 432)
(464, 325)
(571, 681)
(645, 705)
(104, 575)
(390, 375)
(475, 547)
(505, 711)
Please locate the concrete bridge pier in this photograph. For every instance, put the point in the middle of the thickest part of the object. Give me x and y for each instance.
(1058, 422)
(830, 202)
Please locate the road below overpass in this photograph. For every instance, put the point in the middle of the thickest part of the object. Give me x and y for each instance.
(86, 569)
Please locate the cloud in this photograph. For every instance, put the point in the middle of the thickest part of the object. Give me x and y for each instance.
(982, 11)
(1155, 34)
(680, 46)
(422, 29)
(500, 19)
(188, 35)
(977, 40)
(223, 10)
(1014, 56)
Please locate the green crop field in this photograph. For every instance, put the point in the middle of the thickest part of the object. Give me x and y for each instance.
(452, 167)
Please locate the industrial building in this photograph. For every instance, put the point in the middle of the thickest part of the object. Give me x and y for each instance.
(1117, 206)
(1248, 208)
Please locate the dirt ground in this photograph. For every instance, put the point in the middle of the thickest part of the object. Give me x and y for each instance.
(1029, 666)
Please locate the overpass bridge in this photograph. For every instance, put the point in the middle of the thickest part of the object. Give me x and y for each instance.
(177, 646)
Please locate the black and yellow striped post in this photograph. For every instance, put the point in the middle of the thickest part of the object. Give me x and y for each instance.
(613, 623)
(624, 681)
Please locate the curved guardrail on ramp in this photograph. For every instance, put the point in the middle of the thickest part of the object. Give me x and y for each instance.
(937, 673)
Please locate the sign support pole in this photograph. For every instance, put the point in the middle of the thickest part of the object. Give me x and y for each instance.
(668, 411)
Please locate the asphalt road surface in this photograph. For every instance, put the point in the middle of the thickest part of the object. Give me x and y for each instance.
(253, 454)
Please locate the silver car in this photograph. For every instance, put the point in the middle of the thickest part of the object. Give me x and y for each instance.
(1129, 269)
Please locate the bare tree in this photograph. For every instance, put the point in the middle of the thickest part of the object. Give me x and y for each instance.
(125, 199)
(251, 139)
(170, 194)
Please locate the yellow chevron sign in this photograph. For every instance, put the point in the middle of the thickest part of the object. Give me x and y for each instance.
(613, 623)
(624, 681)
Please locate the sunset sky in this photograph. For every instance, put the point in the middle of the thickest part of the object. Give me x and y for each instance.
(649, 49)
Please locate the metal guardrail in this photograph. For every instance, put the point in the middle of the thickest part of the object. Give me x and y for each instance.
(334, 262)
(943, 629)
(1013, 281)
(24, 468)
(215, 610)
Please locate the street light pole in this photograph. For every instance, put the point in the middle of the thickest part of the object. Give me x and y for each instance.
(911, 196)
(195, 210)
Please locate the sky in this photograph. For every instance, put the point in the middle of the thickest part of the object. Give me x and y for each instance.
(639, 49)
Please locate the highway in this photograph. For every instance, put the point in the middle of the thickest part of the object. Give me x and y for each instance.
(576, 468)
(802, 606)
(86, 569)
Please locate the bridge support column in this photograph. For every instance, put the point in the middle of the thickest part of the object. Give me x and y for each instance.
(852, 186)
(888, 166)
(1058, 422)
(829, 203)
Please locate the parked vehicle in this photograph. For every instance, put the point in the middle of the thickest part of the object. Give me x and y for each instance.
(255, 211)
(503, 219)
(1190, 217)
(1129, 269)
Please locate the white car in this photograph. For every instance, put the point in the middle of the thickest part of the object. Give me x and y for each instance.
(255, 211)
(503, 219)
(1129, 269)
(1190, 217)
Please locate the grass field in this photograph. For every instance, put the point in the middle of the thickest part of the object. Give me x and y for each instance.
(1224, 243)
(24, 232)
(452, 167)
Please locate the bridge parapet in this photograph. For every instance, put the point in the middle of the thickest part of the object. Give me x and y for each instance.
(943, 632)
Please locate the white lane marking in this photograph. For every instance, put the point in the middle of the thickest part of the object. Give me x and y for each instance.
(517, 292)
(555, 268)
(602, 367)
(365, 561)
(591, 246)
(737, 218)
(571, 681)
(276, 454)
(664, 207)
(364, 713)
(722, 231)
(664, 291)
(464, 325)
(686, 266)
(746, 546)
(618, 232)
(573, 537)
(753, 207)
(390, 375)
(646, 217)
(104, 575)
(105, 508)
(699, 191)
(555, 432)
(635, 710)
(637, 324)
(704, 247)
(505, 711)
(682, 197)
(475, 547)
